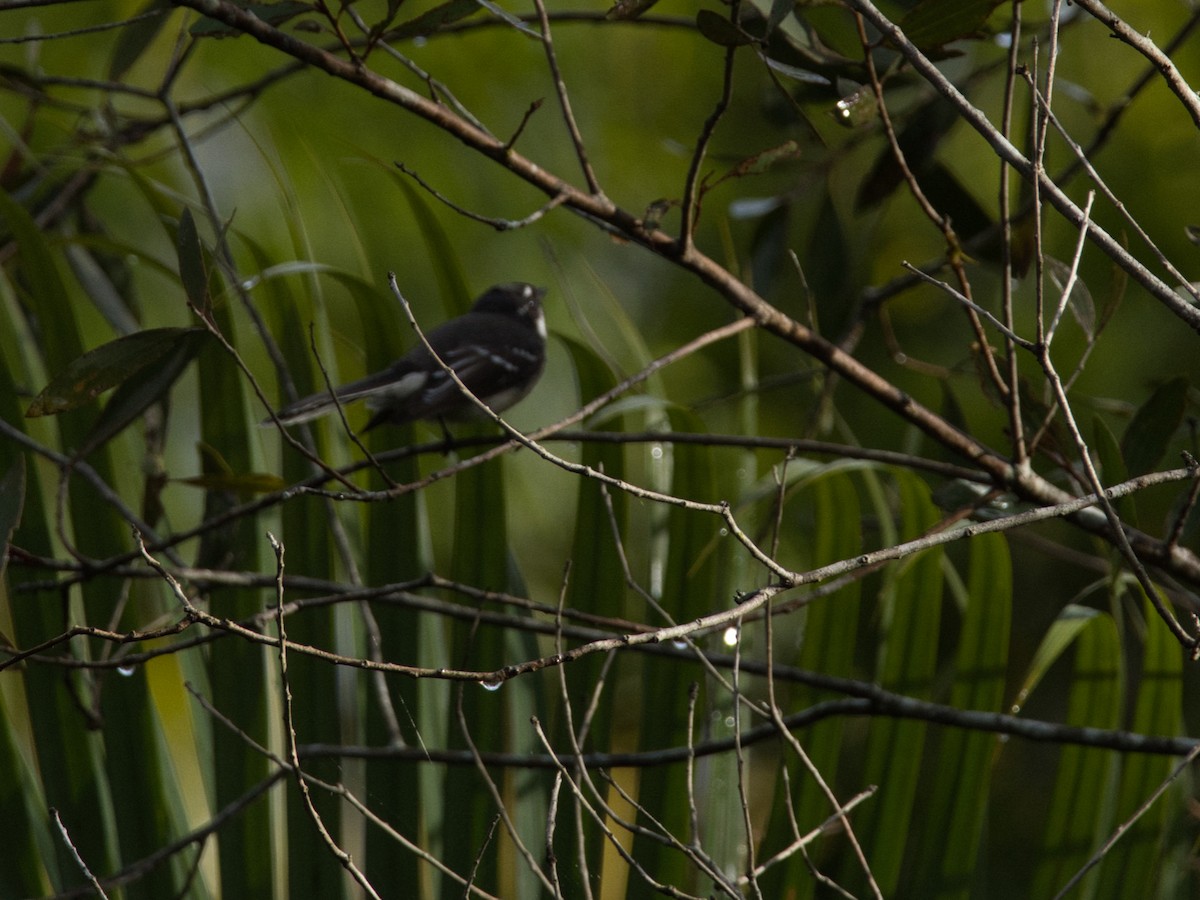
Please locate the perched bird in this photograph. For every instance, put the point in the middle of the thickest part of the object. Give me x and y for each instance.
(497, 349)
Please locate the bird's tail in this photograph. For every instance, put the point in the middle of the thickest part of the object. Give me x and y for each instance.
(315, 405)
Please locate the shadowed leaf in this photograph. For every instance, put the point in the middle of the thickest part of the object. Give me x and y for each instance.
(434, 20)
(934, 23)
(1146, 438)
(191, 261)
(720, 30)
(107, 367)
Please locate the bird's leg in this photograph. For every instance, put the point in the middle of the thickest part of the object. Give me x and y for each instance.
(447, 437)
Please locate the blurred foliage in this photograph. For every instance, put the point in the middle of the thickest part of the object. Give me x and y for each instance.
(196, 227)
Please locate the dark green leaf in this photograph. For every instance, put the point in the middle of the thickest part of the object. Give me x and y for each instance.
(134, 395)
(434, 20)
(136, 37)
(720, 30)
(98, 283)
(106, 367)
(441, 251)
(1152, 427)
(780, 10)
(933, 23)
(918, 140)
(191, 261)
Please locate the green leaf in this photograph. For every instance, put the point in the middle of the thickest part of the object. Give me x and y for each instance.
(1137, 857)
(1153, 426)
(1080, 808)
(136, 36)
(107, 366)
(933, 23)
(192, 271)
(132, 397)
(956, 809)
(911, 611)
(442, 253)
(1063, 631)
(720, 30)
(434, 20)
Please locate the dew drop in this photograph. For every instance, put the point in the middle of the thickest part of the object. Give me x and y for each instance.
(127, 671)
(491, 685)
(731, 636)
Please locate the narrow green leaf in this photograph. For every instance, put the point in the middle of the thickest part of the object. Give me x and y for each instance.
(1063, 631)
(828, 645)
(434, 20)
(720, 30)
(956, 810)
(911, 611)
(1153, 425)
(441, 250)
(135, 37)
(1157, 710)
(134, 395)
(192, 271)
(110, 365)
(933, 23)
(1080, 807)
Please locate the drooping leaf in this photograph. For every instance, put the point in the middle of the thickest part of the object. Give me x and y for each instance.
(98, 284)
(1058, 637)
(918, 139)
(434, 20)
(720, 30)
(133, 396)
(1152, 427)
(192, 271)
(934, 23)
(136, 36)
(107, 366)
(441, 251)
